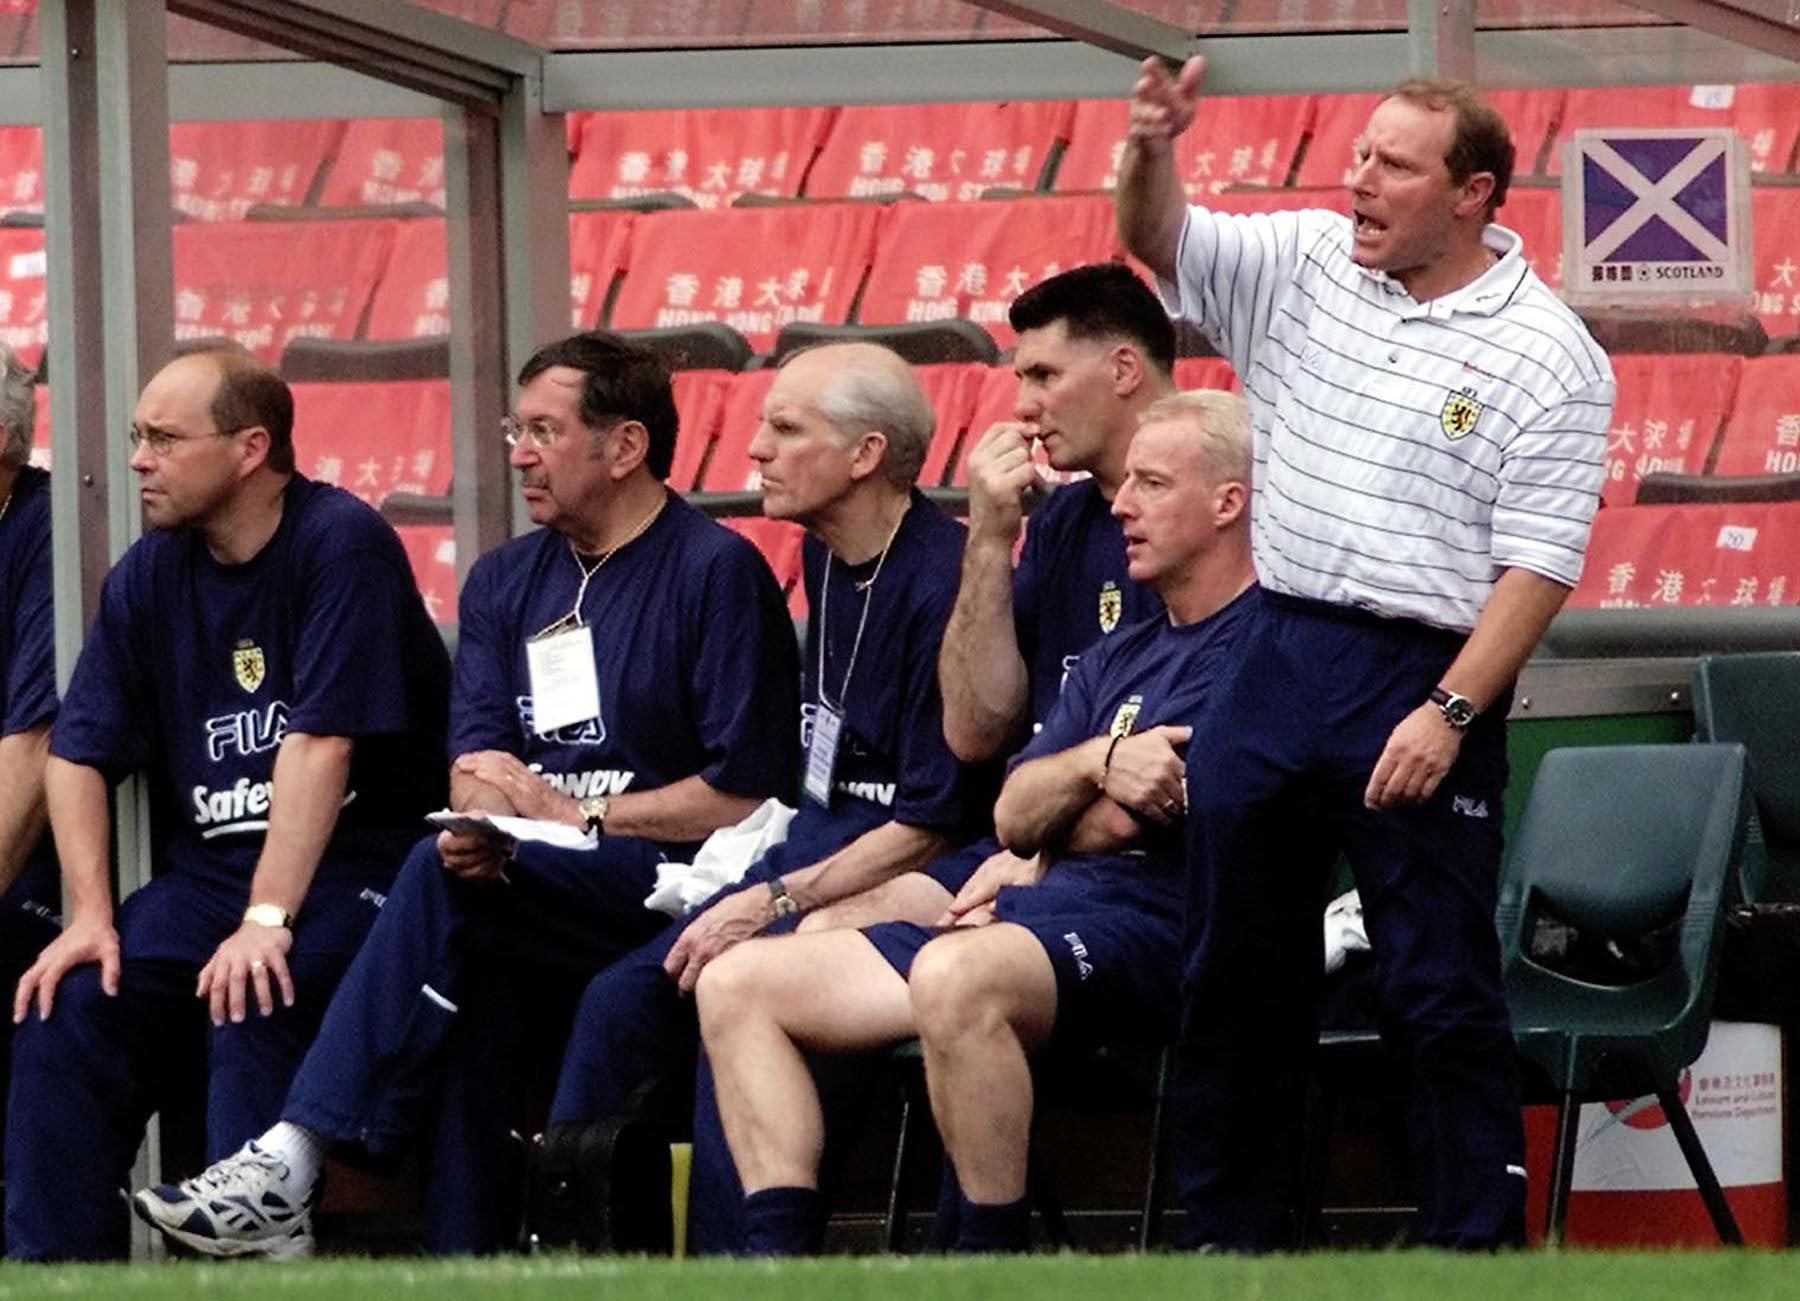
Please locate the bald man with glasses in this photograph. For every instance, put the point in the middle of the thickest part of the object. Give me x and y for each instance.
(629, 669)
(262, 657)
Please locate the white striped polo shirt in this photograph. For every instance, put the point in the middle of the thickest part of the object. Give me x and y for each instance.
(1405, 452)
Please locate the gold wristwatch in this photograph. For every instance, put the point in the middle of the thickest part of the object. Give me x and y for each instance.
(272, 915)
(593, 812)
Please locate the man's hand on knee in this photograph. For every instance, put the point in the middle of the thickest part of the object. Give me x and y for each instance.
(253, 957)
(80, 944)
(983, 887)
(731, 920)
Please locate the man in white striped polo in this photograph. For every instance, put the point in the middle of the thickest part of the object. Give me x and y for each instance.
(1430, 424)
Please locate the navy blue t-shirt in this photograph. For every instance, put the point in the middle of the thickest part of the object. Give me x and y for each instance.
(28, 646)
(1071, 587)
(194, 671)
(893, 763)
(693, 651)
(1148, 675)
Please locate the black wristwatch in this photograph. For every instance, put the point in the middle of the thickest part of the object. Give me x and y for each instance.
(1458, 711)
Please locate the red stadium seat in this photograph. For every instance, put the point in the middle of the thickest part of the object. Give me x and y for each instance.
(219, 170)
(729, 468)
(1766, 115)
(937, 261)
(412, 299)
(375, 439)
(1667, 416)
(1206, 372)
(1695, 554)
(709, 155)
(431, 549)
(1534, 213)
(264, 283)
(387, 160)
(21, 169)
(937, 151)
(1763, 433)
(598, 245)
(700, 404)
(1531, 114)
(1236, 140)
(40, 429)
(953, 390)
(1775, 257)
(24, 324)
(755, 269)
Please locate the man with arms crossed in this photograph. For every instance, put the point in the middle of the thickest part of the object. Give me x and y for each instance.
(263, 658)
(1089, 951)
(1095, 349)
(1430, 424)
(679, 727)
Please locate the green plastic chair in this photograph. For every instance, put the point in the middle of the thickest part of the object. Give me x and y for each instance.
(1619, 841)
(1755, 701)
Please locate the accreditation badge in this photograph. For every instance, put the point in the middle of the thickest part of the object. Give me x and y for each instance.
(564, 686)
(821, 755)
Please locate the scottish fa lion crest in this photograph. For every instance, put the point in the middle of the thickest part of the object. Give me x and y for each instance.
(1126, 718)
(1460, 413)
(248, 665)
(1112, 606)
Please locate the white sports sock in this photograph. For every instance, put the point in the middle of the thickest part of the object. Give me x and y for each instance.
(300, 1148)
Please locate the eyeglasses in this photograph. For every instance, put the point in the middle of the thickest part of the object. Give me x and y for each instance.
(541, 433)
(161, 442)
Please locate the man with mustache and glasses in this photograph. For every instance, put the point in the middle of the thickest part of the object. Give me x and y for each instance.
(628, 668)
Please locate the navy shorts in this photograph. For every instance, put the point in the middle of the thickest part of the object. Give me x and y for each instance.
(1117, 968)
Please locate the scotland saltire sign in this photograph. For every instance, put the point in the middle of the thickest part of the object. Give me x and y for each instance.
(1651, 213)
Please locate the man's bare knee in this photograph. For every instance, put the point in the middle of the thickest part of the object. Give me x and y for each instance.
(731, 987)
(949, 985)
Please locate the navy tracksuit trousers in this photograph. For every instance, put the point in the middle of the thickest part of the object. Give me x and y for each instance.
(86, 1081)
(1276, 776)
(423, 1042)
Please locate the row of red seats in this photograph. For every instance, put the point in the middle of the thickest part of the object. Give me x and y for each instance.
(1694, 554)
(953, 151)
(956, 151)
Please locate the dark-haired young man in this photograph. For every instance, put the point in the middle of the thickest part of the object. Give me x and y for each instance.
(1095, 351)
(630, 668)
(1430, 426)
(263, 658)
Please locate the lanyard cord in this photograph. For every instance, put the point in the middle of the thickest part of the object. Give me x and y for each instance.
(573, 617)
(868, 591)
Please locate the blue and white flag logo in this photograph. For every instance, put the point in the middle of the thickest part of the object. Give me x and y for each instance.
(1656, 200)
(1651, 212)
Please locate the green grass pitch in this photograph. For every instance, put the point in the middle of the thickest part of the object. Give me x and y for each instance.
(1370, 1276)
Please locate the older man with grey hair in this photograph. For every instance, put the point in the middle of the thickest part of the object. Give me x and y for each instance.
(842, 437)
(28, 877)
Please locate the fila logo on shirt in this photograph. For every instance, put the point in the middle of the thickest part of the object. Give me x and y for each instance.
(1460, 413)
(592, 732)
(246, 732)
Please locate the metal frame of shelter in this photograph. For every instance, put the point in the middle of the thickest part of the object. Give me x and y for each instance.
(105, 91)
